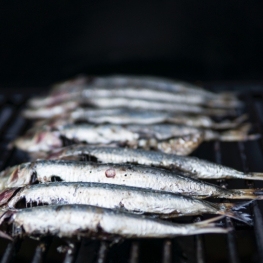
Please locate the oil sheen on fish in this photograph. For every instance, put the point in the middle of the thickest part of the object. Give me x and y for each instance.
(130, 199)
(191, 166)
(127, 175)
(83, 220)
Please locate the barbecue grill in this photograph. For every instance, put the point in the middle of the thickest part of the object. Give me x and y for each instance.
(243, 244)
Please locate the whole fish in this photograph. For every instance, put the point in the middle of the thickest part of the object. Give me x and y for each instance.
(130, 199)
(127, 175)
(151, 82)
(192, 166)
(127, 116)
(90, 221)
(168, 138)
(108, 103)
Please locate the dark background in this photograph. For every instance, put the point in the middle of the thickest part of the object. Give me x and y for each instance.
(44, 42)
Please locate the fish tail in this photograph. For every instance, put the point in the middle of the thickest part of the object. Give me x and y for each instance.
(244, 194)
(239, 134)
(231, 124)
(208, 226)
(232, 210)
(253, 176)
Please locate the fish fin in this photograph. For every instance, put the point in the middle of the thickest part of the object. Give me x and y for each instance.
(239, 134)
(243, 217)
(210, 220)
(208, 226)
(230, 124)
(6, 236)
(254, 176)
(6, 194)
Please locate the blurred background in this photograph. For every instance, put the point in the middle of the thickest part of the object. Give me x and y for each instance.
(47, 41)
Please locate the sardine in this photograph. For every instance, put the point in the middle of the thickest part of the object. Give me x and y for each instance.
(192, 166)
(127, 116)
(90, 221)
(133, 104)
(127, 175)
(150, 82)
(130, 199)
(169, 138)
(124, 116)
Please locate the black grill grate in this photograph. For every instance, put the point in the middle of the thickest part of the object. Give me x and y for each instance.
(243, 244)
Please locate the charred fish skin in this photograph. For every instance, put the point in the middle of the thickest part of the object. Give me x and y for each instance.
(82, 220)
(192, 166)
(129, 199)
(129, 175)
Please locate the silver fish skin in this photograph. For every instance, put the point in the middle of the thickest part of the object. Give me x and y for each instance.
(54, 104)
(126, 116)
(143, 93)
(192, 166)
(127, 175)
(130, 199)
(190, 96)
(83, 220)
(57, 110)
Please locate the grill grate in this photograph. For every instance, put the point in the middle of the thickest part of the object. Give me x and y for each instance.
(243, 244)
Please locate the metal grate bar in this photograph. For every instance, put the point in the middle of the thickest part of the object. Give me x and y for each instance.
(167, 251)
(41, 250)
(231, 242)
(200, 254)
(71, 252)
(11, 250)
(258, 220)
(134, 257)
(102, 254)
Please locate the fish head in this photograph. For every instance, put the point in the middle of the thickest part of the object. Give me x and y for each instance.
(17, 176)
(6, 194)
(42, 140)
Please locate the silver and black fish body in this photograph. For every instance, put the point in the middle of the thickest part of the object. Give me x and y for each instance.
(191, 166)
(67, 105)
(127, 175)
(150, 82)
(90, 221)
(130, 199)
(126, 116)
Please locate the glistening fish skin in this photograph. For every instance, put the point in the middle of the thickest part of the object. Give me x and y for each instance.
(52, 110)
(191, 166)
(82, 220)
(149, 82)
(127, 175)
(130, 199)
(126, 116)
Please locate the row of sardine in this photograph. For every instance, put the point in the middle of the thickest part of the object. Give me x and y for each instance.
(121, 194)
